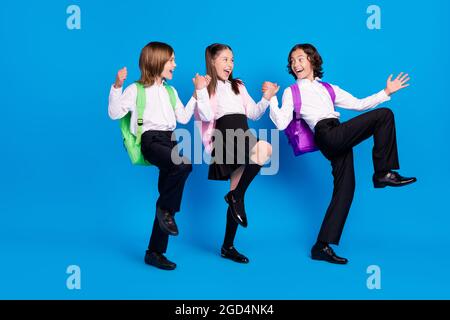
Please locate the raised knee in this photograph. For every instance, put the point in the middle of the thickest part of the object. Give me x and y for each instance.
(265, 147)
(386, 112)
(187, 167)
(183, 168)
(269, 149)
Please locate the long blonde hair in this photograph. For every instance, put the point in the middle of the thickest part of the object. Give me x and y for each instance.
(152, 60)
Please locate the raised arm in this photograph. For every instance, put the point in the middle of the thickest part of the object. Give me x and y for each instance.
(281, 117)
(121, 103)
(254, 110)
(200, 99)
(347, 101)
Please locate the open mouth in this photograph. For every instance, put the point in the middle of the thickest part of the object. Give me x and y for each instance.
(227, 72)
(299, 70)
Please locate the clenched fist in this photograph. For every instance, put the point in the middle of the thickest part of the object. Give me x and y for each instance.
(201, 82)
(121, 77)
(270, 89)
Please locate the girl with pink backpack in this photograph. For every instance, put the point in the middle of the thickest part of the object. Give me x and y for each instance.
(237, 155)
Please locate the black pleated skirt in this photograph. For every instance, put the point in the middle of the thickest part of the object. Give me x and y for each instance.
(233, 149)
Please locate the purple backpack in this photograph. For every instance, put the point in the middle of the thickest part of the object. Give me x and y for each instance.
(299, 135)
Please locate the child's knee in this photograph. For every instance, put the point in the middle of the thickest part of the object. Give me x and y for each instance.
(386, 112)
(182, 168)
(186, 167)
(266, 149)
(269, 149)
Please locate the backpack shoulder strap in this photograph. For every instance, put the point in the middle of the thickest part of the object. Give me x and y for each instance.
(330, 91)
(213, 102)
(297, 98)
(207, 127)
(172, 97)
(140, 107)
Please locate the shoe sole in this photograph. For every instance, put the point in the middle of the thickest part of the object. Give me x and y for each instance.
(160, 267)
(225, 257)
(383, 185)
(333, 262)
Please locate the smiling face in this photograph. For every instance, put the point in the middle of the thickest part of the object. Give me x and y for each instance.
(157, 61)
(224, 64)
(301, 65)
(169, 67)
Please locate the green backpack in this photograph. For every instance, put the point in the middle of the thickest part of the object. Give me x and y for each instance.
(131, 142)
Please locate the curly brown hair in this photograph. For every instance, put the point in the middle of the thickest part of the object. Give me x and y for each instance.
(313, 57)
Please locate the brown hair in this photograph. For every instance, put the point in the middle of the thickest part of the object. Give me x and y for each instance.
(211, 53)
(313, 57)
(152, 60)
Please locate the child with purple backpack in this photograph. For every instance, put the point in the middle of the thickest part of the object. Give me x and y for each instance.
(311, 123)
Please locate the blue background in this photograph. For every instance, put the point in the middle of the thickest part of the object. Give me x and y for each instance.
(69, 195)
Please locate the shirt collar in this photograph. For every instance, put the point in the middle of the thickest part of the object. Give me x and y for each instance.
(156, 85)
(299, 81)
(223, 82)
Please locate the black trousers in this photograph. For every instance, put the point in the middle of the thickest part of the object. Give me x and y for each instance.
(336, 141)
(157, 149)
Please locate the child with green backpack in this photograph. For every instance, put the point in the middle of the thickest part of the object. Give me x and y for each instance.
(149, 110)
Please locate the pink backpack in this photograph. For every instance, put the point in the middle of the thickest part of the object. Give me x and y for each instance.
(207, 127)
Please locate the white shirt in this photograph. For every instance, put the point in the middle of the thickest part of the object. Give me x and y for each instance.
(158, 113)
(230, 103)
(317, 104)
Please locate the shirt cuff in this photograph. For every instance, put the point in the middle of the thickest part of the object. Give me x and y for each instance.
(384, 96)
(202, 94)
(115, 90)
(274, 102)
(265, 103)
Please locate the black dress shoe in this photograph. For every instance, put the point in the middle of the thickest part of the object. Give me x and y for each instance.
(158, 260)
(391, 179)
(166, 222)
(237, 209)
(232, 254)
(326, 253)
